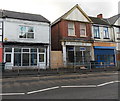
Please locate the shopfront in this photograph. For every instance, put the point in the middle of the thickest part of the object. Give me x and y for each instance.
(26, 57)
(105, 54)
(77, 53)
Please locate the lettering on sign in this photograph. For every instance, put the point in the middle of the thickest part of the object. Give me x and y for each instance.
(78, 44)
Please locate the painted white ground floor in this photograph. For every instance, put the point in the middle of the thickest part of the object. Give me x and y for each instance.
(26, 56)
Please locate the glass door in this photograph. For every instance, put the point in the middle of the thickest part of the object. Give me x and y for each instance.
(42, 58)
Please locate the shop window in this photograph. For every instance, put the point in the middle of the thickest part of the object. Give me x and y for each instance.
(26, 32)
(71, 29)
(82, 30)
(41, 57)
(8, 49)
(8, 57)
(96, 31)
(41, 50)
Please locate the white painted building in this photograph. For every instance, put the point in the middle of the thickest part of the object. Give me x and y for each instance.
(26, 40)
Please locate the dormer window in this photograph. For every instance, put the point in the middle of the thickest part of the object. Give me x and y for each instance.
(26, 32)
(105, 33)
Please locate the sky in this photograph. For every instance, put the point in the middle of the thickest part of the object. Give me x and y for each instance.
(53, 9)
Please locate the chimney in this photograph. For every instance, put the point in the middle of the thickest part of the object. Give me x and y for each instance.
(100, 16)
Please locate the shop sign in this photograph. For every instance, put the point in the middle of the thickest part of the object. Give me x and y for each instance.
(78, 44)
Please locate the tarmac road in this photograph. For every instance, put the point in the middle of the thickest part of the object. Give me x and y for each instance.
(74, 86)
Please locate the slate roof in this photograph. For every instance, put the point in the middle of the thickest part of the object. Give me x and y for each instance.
(100, 21)
(113, 19)
(22, 16)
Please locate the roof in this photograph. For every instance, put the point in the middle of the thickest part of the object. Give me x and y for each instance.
(100, 21)
(113, 19)
(67, 13)
(22, 16)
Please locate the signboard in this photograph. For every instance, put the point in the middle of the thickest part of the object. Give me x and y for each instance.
(77, 44)
(82, 49)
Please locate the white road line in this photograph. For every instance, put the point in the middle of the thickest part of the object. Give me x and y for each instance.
(12, 94)
(103, 84)
(43, 90)
(79, 86)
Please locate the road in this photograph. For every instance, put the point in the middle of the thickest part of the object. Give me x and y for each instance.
(75, 86)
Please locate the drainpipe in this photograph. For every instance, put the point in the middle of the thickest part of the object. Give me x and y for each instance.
(49, 45)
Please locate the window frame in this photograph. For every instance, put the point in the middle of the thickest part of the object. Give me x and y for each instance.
(71, 28)
(26, 32)
(105, 33)
(83, 28)
(96, 35)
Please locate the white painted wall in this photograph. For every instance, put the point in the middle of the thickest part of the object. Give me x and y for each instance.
(110, 30)
(77, 16)
(12, 30)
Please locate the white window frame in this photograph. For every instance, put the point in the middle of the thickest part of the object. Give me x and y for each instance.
(96, 35)
(11, 53)
(26, 32)
(105, 32)
(44, 53)
(83, 27)
(71, 29)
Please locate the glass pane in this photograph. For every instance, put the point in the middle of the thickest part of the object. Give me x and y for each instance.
(82, 32)
(8, 49)
(0, 31)
(33, 50)
(30, 29)
(41, 50)
(25, 50)
(8, 57)
(33, 59)
(17, 50)
(30, 35)
(23, 35)
(70, 56)
(25, 59)
(22, 28)
(17, 59)
(41, 57)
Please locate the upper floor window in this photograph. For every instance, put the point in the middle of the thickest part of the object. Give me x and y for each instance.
(26, 32)
(118, 30)
(96, 32)
(82, 30)
(105, 32)
(71, 29)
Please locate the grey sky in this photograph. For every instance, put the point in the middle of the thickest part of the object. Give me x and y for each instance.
(52, 9)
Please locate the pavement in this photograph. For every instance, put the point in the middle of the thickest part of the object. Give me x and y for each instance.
(52, 72)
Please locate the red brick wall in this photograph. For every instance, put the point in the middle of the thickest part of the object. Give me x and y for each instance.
(60, 30)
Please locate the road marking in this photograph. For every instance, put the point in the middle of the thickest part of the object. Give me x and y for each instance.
(12, 94)
(103, 84)
(46, 89)
(79, 86)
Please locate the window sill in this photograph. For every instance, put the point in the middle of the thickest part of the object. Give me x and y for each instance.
(83, 36)
(72, 35)
(106, 38)
(97, 37)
